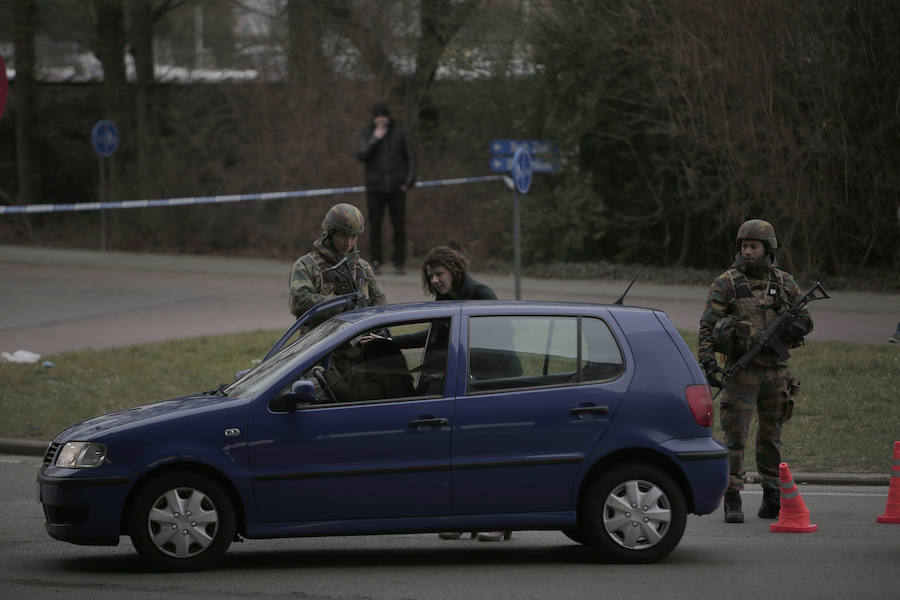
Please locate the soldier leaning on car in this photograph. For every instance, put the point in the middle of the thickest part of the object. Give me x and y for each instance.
(334, 267)
(742, 302)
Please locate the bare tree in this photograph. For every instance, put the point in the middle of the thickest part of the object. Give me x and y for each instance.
(27, 160)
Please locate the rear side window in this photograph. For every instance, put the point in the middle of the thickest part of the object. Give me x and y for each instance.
(601, 357)
(516, 352)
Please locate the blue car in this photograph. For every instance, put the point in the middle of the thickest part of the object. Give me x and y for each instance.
(594, 420)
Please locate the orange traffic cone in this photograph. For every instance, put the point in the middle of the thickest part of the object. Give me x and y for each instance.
(794, 516)
(892, 510)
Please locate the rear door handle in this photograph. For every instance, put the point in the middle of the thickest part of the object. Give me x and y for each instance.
(428, 422)
(590, 410)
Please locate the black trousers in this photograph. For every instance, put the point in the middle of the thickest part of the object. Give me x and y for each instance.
(395, 202)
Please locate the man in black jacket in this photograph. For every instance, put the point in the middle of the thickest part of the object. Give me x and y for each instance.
(390, 170)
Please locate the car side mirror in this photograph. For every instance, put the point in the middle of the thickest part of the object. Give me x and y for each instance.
(303, 391)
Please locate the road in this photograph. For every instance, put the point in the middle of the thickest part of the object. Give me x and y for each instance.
(57, 300)
(850, 556)
(53, 301)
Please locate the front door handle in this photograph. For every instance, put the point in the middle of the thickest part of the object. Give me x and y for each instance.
(428, 422)
(590, 410)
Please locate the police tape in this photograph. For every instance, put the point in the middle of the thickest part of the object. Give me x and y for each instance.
(188, 201)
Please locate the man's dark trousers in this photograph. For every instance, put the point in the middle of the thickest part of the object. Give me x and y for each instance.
(396, 205)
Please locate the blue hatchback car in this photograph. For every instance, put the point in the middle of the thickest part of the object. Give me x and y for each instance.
(594, 420)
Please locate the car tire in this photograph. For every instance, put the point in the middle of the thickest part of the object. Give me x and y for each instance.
(181, 521)
(634, 513)
(576, 534)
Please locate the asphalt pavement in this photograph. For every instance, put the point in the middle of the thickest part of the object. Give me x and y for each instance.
(57, 300)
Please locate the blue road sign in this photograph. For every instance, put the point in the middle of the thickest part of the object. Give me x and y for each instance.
(533, 146)
(503, 164)
(521, 170)
(105, 138)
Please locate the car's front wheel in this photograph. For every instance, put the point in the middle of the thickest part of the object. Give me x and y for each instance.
(181, 521)
(634, 513)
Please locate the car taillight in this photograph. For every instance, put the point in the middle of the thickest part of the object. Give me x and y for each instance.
(699, 399)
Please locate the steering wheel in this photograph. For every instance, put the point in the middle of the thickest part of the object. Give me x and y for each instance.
(319, 374)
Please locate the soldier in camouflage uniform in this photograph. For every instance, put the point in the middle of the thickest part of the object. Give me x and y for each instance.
(742, 302)
(334, 267)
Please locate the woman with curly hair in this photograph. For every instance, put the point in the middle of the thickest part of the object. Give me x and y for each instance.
(444, 276)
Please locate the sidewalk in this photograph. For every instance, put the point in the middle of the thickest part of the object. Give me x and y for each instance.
(35, 448)
(58, 300)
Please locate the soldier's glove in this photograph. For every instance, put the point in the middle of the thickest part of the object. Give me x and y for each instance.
(356, 300)
(711, 370)
(798, 329)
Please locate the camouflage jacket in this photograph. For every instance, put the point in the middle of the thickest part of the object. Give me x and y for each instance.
(323, 274)
(752, 301)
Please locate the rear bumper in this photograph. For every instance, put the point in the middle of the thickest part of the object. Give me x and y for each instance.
(704, 462)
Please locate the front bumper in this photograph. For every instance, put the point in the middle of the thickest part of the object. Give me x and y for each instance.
(83, 510)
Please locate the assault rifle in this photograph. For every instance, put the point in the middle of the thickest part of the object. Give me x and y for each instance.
(773, 337)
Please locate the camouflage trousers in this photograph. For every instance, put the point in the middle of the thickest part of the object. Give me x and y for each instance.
(766, 389)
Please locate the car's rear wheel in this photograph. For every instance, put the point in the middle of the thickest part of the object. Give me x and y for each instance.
(634, 513)
(181, 521)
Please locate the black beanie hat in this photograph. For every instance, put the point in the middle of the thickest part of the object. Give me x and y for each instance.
(380, 109)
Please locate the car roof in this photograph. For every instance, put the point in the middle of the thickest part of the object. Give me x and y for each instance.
(524, 307)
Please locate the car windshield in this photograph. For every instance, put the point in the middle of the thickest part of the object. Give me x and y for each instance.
(267, 373)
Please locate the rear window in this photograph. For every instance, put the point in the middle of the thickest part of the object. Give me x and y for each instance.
(515, 352)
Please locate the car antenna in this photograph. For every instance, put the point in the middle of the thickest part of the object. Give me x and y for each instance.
(636, 275)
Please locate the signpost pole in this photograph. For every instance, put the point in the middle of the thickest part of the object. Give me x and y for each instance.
(517, 244)
(105, 139)
(521, 174)
(521, 166)
(102, 200)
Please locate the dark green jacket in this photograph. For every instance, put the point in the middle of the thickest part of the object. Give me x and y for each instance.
(469, 289)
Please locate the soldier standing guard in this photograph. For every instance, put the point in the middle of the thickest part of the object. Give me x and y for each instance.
(334, 267)
(742, 302)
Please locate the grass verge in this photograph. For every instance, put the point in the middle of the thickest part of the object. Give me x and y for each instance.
(847, 415)
(846, 419)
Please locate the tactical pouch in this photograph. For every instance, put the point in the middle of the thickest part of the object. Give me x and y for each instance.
(744, 336)
(793, 391)
(723, 336)
(788, 409)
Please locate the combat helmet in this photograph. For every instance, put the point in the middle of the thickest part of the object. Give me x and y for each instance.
(344, 217)
(757, 229)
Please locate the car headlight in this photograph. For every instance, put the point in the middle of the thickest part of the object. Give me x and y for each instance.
(81, 455)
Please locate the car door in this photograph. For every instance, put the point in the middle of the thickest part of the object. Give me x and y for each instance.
(521, 432)
(370, 459)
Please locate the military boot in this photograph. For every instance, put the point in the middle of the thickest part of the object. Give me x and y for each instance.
(771, 504)
(732, 504)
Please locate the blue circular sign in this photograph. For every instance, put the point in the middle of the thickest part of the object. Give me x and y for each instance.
(105, 138)
(521, 170)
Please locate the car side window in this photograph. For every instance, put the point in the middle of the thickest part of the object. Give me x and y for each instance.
(518, 352)
(424, 347)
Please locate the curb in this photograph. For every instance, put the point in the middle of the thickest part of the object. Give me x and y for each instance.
(840, 479)
(23, 447)
(36, 448)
